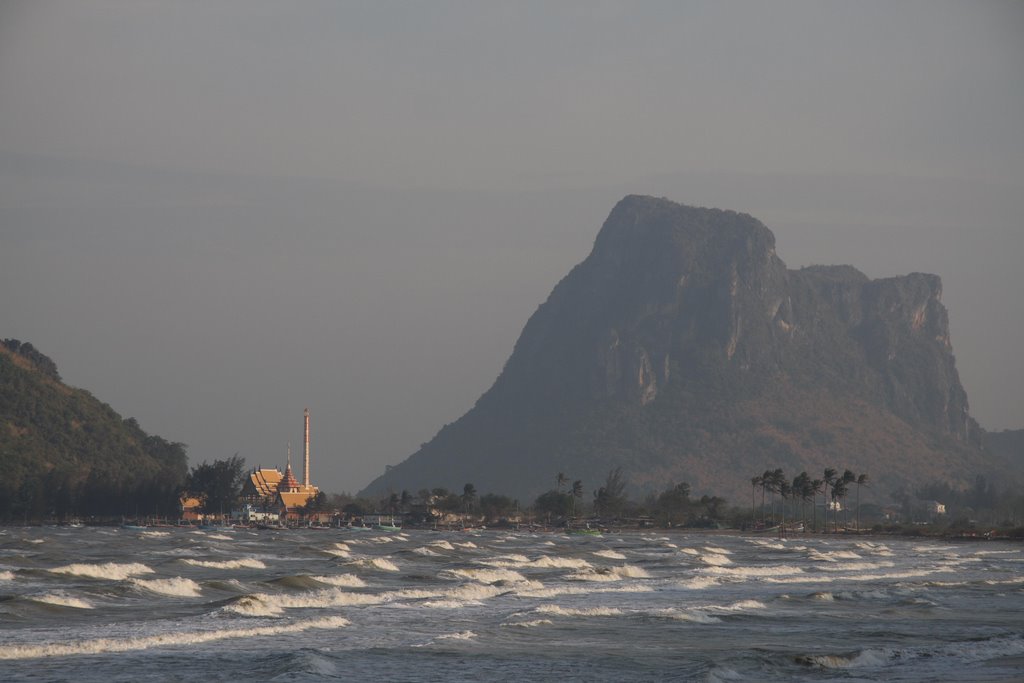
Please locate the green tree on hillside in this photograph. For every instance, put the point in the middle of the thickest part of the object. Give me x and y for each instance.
(217, 485)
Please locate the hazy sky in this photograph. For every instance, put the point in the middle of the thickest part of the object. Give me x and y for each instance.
(214, 214)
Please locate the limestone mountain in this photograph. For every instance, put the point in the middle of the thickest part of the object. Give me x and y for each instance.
(684, 349)
(64, 452)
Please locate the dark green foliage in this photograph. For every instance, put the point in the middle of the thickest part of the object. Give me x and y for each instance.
(553, 504)
(41, 362)
(496, 506)
(317, 503)
(66, 454)
(673, 505)
(610, 499)
(217, 485)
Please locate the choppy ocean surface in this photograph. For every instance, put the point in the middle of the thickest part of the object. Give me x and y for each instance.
(111, 604)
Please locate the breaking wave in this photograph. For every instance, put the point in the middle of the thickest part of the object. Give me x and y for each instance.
(344, 580)
(377, 563)
(610, 554)
(107, 570)
(186, 588)
(486, 575)
(582, 612)
(61, 601)
(626, 571)
(528, 624)
(100, 645)
(244, 563)
(556, 562)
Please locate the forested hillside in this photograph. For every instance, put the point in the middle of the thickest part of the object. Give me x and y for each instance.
(64, 453)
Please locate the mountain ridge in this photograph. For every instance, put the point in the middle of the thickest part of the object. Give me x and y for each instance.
(682, 342)
(65, 452)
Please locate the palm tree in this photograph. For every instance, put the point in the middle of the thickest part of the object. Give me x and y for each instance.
(560, 481)
(778, 481)
(784, 491)
(828, 479)
(754, 483)
(816, 487)
(840, 488)
(468, 496)
(800, 486)
(766, 484)
(862, 480)
(848, 478)
(577, 492)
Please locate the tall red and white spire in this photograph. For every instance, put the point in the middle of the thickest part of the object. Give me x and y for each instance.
(305, 467)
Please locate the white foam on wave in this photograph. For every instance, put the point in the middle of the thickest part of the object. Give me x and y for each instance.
(897, 575)
(102, 645)
(6, 576)
(558, 562)
(560, 611)
(506, 561)
(877, 548)
(338, 552)
(772, 546)
(625, 571)
(1003, 582)
(467, 544)
(715, 559)
(443, 545)
(541, 591)
(753, 572)
(475, 592)
(461, 635)
(254, 606)
(532, 623)
(700, 583)
(156, 534)
(426, 552)
(106, 570)
(244, 563)
(832, 556)
(689, 551)
(997, 552)
(380, 563)
(689, 615)
(610, 554)
(716, 549)
(61, 600)
(739, 606)
(186, 588)
(486, 575)
(267, 605)
(344, 580)
(855, 566)
(220, 537)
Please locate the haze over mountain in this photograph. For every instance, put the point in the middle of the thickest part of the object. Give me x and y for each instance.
(216, 214)
(683, 349)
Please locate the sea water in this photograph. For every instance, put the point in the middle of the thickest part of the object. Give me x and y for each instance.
(112, 604)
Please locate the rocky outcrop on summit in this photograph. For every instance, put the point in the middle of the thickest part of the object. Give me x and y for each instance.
(683, 348)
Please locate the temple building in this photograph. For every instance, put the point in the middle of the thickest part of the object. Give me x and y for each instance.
(269, 488)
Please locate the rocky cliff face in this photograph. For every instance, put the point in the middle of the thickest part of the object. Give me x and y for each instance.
(683, 348)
